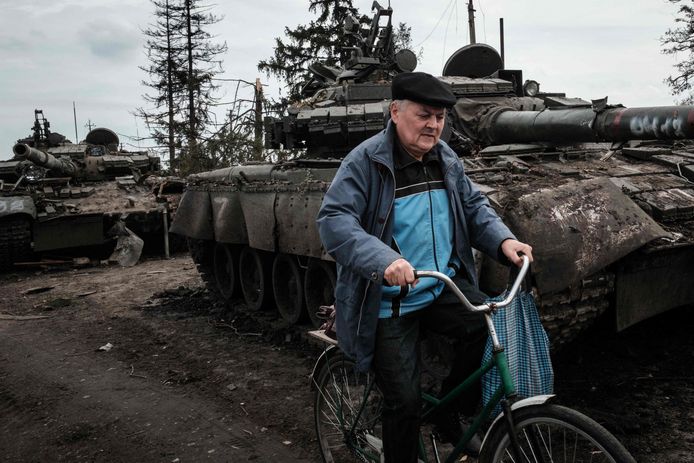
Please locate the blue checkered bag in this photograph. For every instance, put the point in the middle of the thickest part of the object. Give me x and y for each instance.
(526, 345)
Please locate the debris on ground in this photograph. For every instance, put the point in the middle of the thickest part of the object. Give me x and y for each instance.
(105, 348)
(37, 290)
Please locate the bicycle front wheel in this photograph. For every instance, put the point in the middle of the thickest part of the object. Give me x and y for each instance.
(347, 412)
(552, 433)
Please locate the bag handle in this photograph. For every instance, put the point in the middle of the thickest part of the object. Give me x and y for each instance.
(526, 285)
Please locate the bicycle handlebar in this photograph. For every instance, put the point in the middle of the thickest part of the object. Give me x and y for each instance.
(487, 305)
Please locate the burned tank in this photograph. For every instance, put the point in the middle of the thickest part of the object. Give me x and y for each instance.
(60, 199)
(604, 193)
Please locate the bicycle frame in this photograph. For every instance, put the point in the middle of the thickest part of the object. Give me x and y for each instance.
(433, 405)
(505, 393)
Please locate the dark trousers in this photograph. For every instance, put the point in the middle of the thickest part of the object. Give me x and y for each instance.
(397, 365)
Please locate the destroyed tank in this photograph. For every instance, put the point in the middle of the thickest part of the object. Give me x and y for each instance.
(60, 200)
(603, 193)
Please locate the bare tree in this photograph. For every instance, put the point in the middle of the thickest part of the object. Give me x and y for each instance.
(238, 139)
(165, 59)
(183, 63)
(679, 41)
(203, 63)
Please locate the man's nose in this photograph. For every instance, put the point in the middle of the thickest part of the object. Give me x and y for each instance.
(431, 121)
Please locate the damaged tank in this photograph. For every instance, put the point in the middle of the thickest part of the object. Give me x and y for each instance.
(603, 192)
(60, 199)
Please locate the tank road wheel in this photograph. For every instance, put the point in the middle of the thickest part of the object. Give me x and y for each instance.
(15, 242)
(319, 287)
(224, 269)
(255, 279)
(288, 287)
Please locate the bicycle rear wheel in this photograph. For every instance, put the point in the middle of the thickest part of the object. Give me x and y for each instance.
(340, 393)
(552, 433)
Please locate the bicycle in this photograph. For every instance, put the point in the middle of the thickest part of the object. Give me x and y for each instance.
(348, 404)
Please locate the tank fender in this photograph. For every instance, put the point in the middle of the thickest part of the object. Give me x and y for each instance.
(296, 214)
(194, 216)
(326, 355)
(578, 229)
(527, 402)
(227, 217)
(17, 205)
(261, 226)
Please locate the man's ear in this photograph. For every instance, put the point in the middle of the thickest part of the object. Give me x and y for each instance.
(394, 112)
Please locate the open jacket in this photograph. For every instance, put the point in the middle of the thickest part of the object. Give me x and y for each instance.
(355, 223)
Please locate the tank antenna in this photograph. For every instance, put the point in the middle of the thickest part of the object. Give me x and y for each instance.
(501, 42)
(471, 21)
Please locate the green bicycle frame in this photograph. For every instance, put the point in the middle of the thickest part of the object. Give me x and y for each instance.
(506, 389)
(434, 405)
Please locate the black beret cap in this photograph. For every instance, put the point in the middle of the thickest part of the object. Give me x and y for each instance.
(422, 88)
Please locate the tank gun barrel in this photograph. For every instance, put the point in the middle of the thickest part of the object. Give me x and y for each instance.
(44, 159)
(588, 125)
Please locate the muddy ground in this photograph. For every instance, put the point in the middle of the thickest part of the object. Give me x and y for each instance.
(183, 381)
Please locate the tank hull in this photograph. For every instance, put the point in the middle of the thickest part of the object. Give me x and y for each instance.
(602, 229)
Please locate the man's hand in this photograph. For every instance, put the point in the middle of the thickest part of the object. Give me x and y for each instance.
(512, 249)
(399, 273)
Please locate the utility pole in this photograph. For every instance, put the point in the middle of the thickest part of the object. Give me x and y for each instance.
(74, 116)
(471, 21)
(258, 141)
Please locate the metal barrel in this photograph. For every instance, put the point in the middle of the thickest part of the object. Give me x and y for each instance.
(587, 125)
(44, 159)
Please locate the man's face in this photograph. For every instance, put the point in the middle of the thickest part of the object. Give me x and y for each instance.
(418, 126)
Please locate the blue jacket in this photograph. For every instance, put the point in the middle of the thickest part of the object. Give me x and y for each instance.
(355, 223)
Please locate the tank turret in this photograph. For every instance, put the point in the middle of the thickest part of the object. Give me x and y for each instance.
(340, 107)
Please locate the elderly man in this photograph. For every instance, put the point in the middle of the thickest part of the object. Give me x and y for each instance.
(401, 201)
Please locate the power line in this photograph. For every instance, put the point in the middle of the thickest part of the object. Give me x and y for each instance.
(484, 20)
(437, 24)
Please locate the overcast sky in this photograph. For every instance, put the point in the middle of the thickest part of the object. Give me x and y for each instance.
(54, 52)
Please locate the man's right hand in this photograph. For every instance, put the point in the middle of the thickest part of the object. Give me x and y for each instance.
(399, 273)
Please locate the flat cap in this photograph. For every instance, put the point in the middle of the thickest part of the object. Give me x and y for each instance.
(422, 88)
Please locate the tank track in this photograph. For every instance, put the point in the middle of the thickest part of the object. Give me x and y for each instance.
(201, 252)
(15, 242)
(566, 314)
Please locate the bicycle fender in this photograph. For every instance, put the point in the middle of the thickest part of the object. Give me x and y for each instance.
(322, 360)
(535, 400)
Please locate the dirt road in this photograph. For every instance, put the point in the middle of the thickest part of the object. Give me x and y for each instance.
(183, 382)
(174, 386)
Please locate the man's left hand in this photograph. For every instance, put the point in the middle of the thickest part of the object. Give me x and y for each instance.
(512, 248)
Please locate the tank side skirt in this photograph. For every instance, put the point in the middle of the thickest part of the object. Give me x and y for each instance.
(194, 215)
(649, 283)
(227, 216)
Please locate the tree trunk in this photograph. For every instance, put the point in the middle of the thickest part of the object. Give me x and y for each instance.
(169, 91)
(192, 135)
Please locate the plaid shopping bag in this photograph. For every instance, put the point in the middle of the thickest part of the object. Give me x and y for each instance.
(526, 345)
